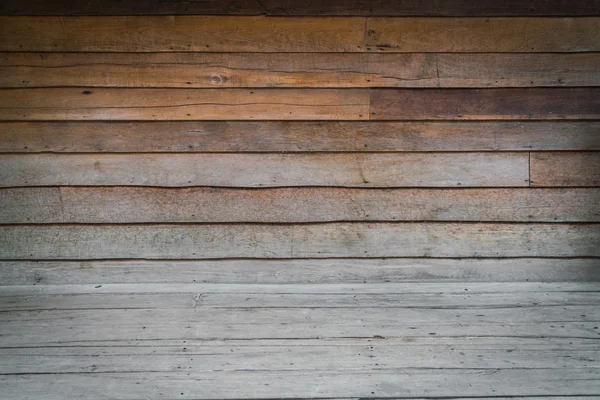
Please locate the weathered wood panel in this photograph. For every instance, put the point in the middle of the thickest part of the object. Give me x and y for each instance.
(182, 104)
(294, 205)
(304, 7)
(185, 33)
(299, 271)
(294, 34)
(296, 136)
(565, 169)
(236, 70)
(334, 385)
(271, 170)
(363, 240)
(474, 104)
(516, 35)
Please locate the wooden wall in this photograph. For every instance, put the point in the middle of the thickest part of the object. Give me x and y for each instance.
(299, 141)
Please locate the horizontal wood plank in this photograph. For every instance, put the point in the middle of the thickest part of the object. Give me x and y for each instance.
(513, 35)
(329, 271)
(237, 70)
(302, 7)
(565, 169)
(296, 136)
(294, 205)
(297, 34)
(474, 104)
(182, 104)
(267, 170)
(363, 240)
(182, 33)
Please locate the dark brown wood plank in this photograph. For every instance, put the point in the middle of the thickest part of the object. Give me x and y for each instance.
(304, 7)
(446, 8)
(183, 104)
(520, 35)
(565, 169)
(474, 104)
(361, 240)
(267, 170)
(296, 136)
(182, 33)
(243, 70)
(294, 205)
(130, 7)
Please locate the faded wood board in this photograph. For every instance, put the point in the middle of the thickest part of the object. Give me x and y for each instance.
(475, 104)
(362, 240)
(293, 205)
(299, 271)
(318, 70)
(303, 7)
(185, 33)
(182, 104)
(513, 35)
(297, 136)
(297, 34)
(565, 169)
(271, 170)
(403, 383)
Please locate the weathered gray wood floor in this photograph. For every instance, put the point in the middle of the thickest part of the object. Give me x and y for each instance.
(100, 336)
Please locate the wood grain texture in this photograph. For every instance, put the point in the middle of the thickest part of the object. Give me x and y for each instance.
(362, 240)
(243, 70)
(497, 35)
(296, 136)
(267, 170)
(182, 104)
(303, 7)
(297, 34)
(474, 104)
(565, 169)
(294, 205)
(182, 33)
(329, 271)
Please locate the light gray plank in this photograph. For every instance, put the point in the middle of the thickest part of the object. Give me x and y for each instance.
(300, 271)
(363, 240)
(256, 170)
(292, 205)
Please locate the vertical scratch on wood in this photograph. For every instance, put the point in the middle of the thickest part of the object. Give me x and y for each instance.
(196, 300)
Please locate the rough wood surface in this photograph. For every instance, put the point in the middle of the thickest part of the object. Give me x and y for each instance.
(294, 205)
(303, 7)
(243, 70)
(474, 104)
(296, 136)
(362, 240)
(297, 34)
(182, 104)
(514, 35)
(267, 170)
(565, 169)
(299, 271)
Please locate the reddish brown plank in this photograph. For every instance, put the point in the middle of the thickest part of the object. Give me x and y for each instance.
(473, 104)
(565, 169)
(297, 136)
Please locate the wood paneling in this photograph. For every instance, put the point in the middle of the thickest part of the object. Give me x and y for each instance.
(182, 104)
(256, 170)
(327, 271)
(302, 7)
(474, 104)
(297, 136)
(297, 34)
(242, 70)
(294, 205)
(565, 169)
(517, 35)
(55, 242)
